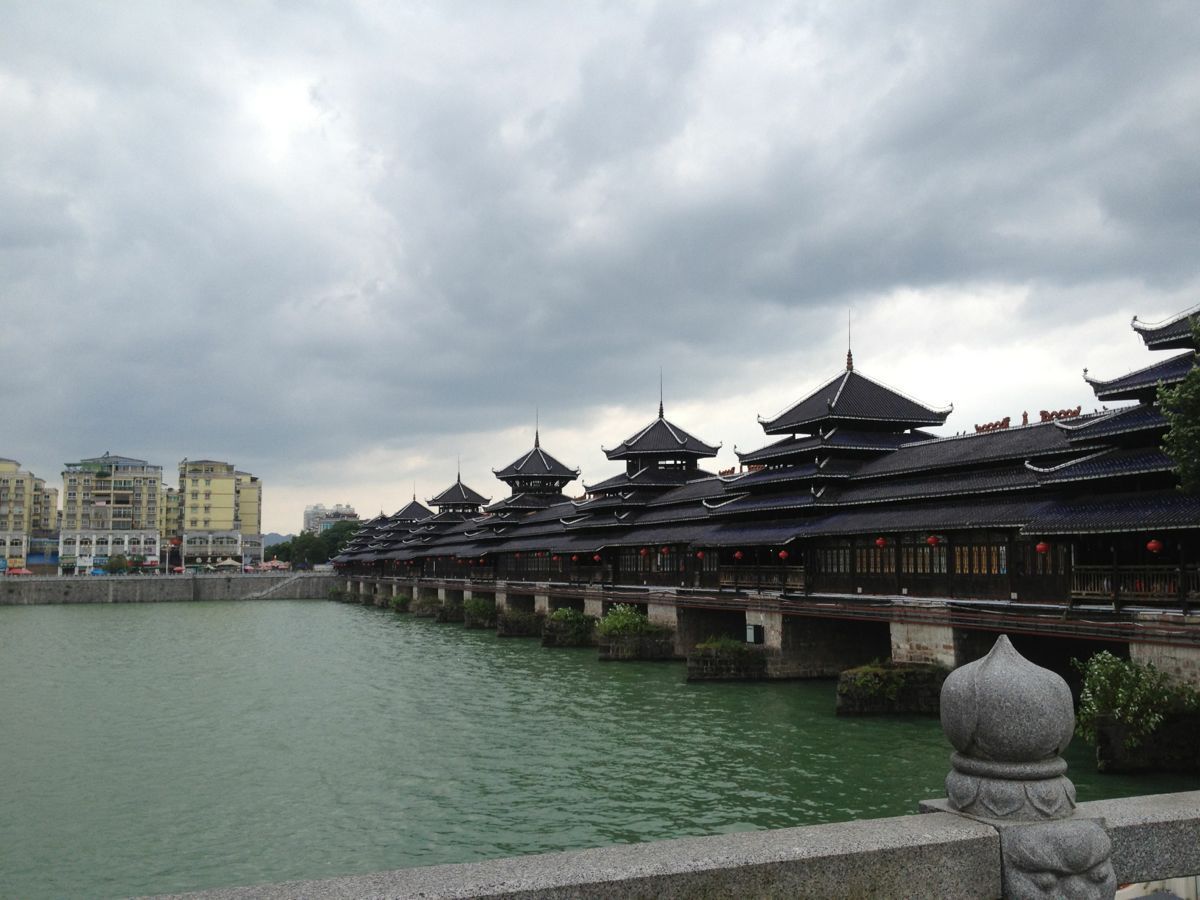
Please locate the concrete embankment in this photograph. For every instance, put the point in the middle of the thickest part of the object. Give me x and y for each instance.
(28, 590)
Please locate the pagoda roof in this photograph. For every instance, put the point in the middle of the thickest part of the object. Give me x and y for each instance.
(832, 468)
(525, 502)
(1174, 333)
(700, 489)
(663, 439)
(649, 477)
(758, 503)
(1144, 382)
(853, 397)
(837, 439)
(1136, 512)
(458, 493)
(537, 463)
(977, 448)
(413, 512)
(1106, 464)
(1126, 420)
(938, 484)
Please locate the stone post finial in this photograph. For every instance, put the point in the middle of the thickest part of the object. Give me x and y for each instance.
(1009, 722)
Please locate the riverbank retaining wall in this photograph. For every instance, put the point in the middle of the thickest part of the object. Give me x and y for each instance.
(34, 590)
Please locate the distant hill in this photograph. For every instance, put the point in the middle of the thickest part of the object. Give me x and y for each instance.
(271, 538)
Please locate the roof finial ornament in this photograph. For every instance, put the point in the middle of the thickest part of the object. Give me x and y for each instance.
(660, 393)
(458, 476)
(537, 428)
(849, 353)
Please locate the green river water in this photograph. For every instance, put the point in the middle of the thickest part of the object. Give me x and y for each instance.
(167, 747)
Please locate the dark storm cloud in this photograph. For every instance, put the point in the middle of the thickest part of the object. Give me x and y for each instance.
(278, 235)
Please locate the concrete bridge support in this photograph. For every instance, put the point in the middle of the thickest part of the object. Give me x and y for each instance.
(1181, 664)
(693, 626)
(575, 603)
(541, 603)
(823, 648)
(593, 606)
(501, 599)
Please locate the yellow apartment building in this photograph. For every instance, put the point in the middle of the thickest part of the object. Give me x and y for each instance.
(220, 513)
(19, 497)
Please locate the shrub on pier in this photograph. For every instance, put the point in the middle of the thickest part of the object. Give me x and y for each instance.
(479, 613)
(887, 687)
(569, 628)
(1136, 717)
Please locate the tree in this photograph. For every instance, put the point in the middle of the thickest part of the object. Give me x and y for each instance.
(307, 549)
(116, 565)
(1181, 406)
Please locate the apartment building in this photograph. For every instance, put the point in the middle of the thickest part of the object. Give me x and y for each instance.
(319, 517)
(110, 508)
(28, 515)
(220, 513)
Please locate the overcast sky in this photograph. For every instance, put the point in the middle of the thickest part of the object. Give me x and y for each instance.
(341, 244)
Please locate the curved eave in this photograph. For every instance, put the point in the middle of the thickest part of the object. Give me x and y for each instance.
(800, 427)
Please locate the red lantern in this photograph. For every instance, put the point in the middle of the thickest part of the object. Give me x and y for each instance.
(880, 542)
(783, 554)
(1042, 547)
(663, 550)
(1154, 545)
(554, 558)
(481, 560)
(596, 558)
(933, 540)
(699, 554)
(574, 557)
(518, 555)
(645, 551)
(738, 555)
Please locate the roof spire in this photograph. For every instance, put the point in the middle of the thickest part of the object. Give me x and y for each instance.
(849, 352)
(660, 393)
(537, 439)
(458, 476)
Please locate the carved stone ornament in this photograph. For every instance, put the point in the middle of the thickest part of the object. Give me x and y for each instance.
(1009, 721)
(1057, 859)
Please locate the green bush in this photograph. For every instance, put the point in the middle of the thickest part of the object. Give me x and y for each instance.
(573, 625)
(400, 603)
(625, 620)
(1128, 693)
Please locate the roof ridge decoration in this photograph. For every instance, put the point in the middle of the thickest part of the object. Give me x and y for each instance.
(1046, 470)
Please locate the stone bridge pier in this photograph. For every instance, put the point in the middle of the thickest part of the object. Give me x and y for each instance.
(806, 647)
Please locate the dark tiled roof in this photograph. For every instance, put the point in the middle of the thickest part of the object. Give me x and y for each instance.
(688, 512)
(833, 469)
(458, 493)
(414, 512)
(759, 503)
(537, 463)
(700, 489)
(1143, 382)
(853, 397)
(842, 438)
(1142, 417)
(978, 448)
(1138, 512)
(649, 477)
(945, 484)
(1107, 464)
(754, 534)
(525, 502)
(999, 513)
(661, 438)
(1171, 334)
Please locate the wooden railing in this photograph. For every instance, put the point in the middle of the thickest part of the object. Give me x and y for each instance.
(787, 578)
(1160, 583)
